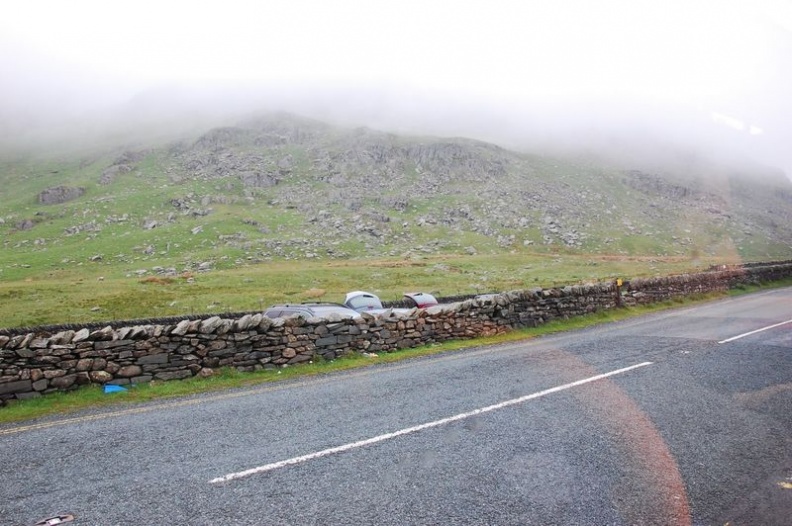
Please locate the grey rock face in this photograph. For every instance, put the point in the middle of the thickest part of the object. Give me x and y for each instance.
(60, 194)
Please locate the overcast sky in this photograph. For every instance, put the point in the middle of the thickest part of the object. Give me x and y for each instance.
(727, 60)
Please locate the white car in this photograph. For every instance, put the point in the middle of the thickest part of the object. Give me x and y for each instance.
(422, 299)
(362, 301)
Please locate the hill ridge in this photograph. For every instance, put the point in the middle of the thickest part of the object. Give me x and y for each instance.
(283, 186)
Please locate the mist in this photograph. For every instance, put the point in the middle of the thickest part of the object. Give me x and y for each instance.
(618, 78)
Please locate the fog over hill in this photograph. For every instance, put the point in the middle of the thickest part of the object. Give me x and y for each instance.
(278, 185)
(617, 76)
(295, 129)
(611, 128)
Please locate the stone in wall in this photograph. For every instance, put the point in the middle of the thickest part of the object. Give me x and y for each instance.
(41, 362)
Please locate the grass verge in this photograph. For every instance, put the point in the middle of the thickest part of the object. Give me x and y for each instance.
(92, 397)
(740, 290)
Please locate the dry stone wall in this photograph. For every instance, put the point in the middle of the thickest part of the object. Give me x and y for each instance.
(40, 362)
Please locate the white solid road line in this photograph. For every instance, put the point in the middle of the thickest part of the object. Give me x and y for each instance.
(415, 429)
(754, 332)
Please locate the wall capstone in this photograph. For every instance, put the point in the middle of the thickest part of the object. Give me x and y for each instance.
(43, 361)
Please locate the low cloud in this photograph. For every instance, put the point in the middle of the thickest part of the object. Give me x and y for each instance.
(527, 75)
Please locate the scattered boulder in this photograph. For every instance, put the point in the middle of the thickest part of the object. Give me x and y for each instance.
(60, 194)
(25, 224)
(110, 173)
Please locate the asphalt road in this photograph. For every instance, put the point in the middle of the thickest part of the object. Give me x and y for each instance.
(655, 420)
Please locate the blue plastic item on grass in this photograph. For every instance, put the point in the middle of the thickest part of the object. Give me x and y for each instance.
(114, 389)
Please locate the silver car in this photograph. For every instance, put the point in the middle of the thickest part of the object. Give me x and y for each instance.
(362, 301)
(310, 310)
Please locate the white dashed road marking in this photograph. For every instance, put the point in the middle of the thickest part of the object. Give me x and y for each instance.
(754, 332)
(415, 429)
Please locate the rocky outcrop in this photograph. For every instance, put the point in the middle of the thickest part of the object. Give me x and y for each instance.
(310, 190)
(110, 173)
(660, 189)
(125, 163)
(60, 194)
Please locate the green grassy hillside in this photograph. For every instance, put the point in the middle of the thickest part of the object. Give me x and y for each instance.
(277, 206)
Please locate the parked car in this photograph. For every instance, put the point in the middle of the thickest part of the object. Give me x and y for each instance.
(422, 299)
(361, 301)
(310, 310)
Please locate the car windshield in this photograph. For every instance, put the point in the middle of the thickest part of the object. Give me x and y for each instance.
(364, 302)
